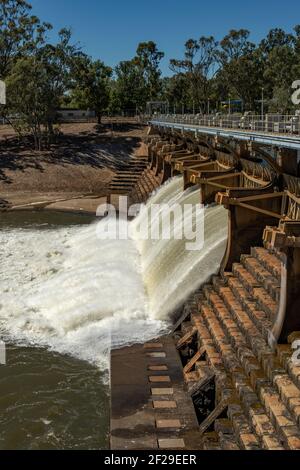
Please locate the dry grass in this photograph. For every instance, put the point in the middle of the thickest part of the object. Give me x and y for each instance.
(82, 161)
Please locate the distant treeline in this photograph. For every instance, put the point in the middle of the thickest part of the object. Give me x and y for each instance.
(42, 76)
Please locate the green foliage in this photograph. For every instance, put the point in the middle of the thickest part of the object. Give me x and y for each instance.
(129, 90)
(91, 85)
(20, 33)
(138, 80)
(35, 86)
(41, 76)
(198, 67)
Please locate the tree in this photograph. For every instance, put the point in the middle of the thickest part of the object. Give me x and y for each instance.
(276, 37)
(241, 67)
(147, 59)
(129, 90)
(91, 88)
(20, 32)
(26, 105)
(138, 80)
(198, 66)
(35, 87)
(281, 67)
(176, 91)
(243, 77)
(57, 60)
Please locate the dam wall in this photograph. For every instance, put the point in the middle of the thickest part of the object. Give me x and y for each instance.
(240, 326)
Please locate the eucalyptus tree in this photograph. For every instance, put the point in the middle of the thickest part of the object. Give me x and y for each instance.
(36, 86)
(138, 80)
(20, 32)
(148, 59)
(241, 67)
(199, 66)
(91, 85)
(128, 92)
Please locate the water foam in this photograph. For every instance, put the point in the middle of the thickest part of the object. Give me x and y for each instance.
(170, 271)
(66, 290)
(69, 291)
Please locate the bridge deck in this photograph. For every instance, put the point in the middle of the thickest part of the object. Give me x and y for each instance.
(264, 138)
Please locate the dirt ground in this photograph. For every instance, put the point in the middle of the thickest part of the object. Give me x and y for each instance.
(81, 163)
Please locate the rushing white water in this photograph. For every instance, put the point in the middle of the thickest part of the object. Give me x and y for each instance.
(73, 293)
(171, 271)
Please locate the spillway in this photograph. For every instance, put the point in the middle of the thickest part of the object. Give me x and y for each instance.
(69, 291)
(171, 270)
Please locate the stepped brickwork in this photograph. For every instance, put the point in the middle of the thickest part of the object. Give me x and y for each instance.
(257, 388)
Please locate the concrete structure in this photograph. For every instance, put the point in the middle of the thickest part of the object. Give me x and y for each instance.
(75, 115)
(238, 333)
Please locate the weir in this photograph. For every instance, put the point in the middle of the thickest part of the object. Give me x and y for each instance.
(239, 315)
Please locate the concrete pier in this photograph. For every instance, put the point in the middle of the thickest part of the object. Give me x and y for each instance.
(150, 405)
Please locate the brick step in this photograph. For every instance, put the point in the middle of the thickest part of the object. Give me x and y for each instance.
(148, 184)
(200, 373)
(263, 427)
(224, 428)
(221, 328)
(257, 292)
(245, 437)
(210, 441)
(121, 184)
(134, 169)
(263, 276)
(134, 174)
(260, 318)
(245, 277)
(244, 433)
(250, 332)
(270, 261)
(265, 302)
(228, 442)
(286, 387)
(121, 181)
(282, 420)
(213, 357)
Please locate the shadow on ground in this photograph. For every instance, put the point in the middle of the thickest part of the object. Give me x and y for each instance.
(111, 147)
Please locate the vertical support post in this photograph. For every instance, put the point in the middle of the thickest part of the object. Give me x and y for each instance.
(287, 159)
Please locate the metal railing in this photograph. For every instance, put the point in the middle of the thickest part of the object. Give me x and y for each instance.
(270, 123)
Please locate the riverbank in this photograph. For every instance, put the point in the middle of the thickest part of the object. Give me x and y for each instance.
(74, 174)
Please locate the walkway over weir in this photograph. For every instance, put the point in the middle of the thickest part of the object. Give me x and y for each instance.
(271, 130)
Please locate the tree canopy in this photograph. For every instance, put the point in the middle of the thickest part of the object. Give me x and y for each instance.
(41, 76)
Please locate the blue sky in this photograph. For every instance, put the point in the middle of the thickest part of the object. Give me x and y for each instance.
(111, 29)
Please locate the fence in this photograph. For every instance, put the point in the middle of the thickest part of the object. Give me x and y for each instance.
(270, 123)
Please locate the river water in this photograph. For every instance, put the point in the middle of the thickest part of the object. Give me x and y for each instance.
(47, 400)
(67, 297)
